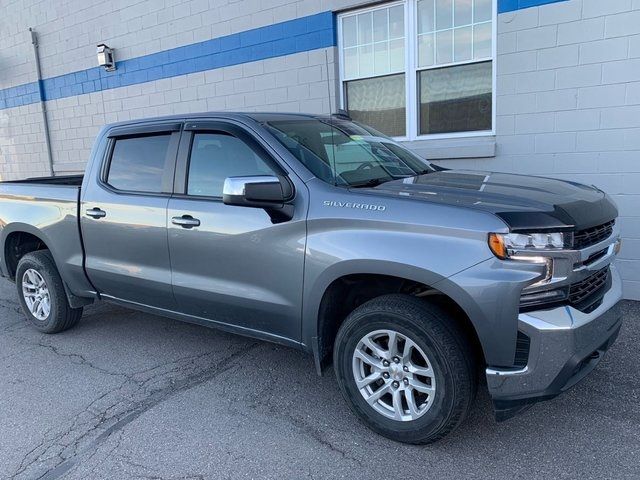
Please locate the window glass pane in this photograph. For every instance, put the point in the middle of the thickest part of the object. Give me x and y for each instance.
(456, 99)
(462, 44)
(381, 57)
(396, 54)
(374, 54)
(425, 50)
(350, 58)
(380, 25)
(462, 12)
(444, 14)
(482, 10)
(379, 102)
(444, 47)
(365, 60)
(396, 22)
(365, 32)
(349, 32)
(137, 164)
(482, 40)
(217, 156)
(426, 19)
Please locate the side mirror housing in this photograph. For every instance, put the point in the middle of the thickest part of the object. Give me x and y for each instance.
(263, 191)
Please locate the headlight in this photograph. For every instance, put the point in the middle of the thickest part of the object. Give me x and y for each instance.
(505, 245)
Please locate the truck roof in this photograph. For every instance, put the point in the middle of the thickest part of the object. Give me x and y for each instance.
(256, 116)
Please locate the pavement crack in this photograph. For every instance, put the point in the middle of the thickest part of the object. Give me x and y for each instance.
(110, 413)
(77, 359)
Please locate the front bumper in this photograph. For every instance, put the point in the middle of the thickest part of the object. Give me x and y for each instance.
(565, 345)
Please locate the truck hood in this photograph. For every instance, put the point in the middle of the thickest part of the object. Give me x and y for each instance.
(522, 202)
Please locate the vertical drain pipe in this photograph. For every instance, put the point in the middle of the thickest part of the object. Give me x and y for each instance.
(43, 107)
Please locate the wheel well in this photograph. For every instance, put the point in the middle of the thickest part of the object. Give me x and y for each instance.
(17, 245)
(349, 292)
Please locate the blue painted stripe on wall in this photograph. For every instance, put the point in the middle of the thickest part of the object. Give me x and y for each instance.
(285, 38)
(512, 5)
(19, 95)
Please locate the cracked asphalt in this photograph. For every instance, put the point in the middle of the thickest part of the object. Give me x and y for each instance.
(131, 395)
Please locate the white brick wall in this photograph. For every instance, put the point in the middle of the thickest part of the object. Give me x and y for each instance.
(22, 147)
(69, 30)
(74, 121)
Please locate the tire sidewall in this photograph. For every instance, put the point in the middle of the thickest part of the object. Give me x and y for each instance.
(443, 405)
(36, 263)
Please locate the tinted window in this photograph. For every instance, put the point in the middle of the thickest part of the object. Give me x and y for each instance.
(456, 99)
(137, 164)
(216, 156)
(379, 102)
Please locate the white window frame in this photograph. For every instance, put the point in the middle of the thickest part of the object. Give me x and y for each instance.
(411, 70)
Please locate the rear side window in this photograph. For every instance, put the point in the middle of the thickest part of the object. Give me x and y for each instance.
(217, 156)
(138, 163)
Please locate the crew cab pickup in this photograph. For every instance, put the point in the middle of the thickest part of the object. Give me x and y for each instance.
(322, 234)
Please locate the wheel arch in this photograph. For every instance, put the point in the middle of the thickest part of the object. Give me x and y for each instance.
(20, 239)
(345, 286)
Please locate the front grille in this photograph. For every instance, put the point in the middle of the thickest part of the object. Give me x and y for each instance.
(590, 236)
(587, 294)
(592, 258)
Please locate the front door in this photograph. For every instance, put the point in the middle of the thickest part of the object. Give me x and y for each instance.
(231, 264)
(124, 216)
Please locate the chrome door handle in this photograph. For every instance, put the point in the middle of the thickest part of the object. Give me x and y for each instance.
(186, 221)
(96, 212)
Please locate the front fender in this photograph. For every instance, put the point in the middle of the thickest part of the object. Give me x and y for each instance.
(337, 249)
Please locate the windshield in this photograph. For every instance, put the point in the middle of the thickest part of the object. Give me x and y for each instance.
(342, 152)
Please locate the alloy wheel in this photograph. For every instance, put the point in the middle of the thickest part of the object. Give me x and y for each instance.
(394, 375)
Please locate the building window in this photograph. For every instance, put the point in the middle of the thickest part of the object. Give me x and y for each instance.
(373, 52)
(420, 67)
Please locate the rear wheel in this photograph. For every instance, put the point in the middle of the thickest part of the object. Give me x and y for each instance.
(405, 368)
(42, 294)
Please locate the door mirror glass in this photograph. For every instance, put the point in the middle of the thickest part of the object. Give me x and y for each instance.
(263, 191)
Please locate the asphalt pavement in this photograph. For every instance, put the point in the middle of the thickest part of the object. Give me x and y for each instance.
(131, 395)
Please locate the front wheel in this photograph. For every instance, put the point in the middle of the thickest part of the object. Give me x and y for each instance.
(42, 295)
(405, 368)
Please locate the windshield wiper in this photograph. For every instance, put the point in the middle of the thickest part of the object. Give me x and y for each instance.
(374, 182)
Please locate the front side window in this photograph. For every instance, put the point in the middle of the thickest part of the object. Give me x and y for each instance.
(138, 163)
(437, 79)
(217, 156)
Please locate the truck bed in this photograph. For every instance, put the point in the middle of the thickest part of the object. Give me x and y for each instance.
(47, 208)
(71, 180)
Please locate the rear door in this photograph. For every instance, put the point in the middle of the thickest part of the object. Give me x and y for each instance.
(124, 215)
(230, 264)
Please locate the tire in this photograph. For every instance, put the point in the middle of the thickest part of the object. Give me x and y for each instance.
(452, 383)
(60, 316)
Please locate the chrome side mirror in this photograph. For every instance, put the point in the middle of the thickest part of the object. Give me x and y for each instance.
(261, 191)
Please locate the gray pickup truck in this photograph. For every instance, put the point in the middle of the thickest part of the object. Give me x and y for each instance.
(322, 234)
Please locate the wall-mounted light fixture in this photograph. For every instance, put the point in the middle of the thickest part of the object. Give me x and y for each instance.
(106, 58)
